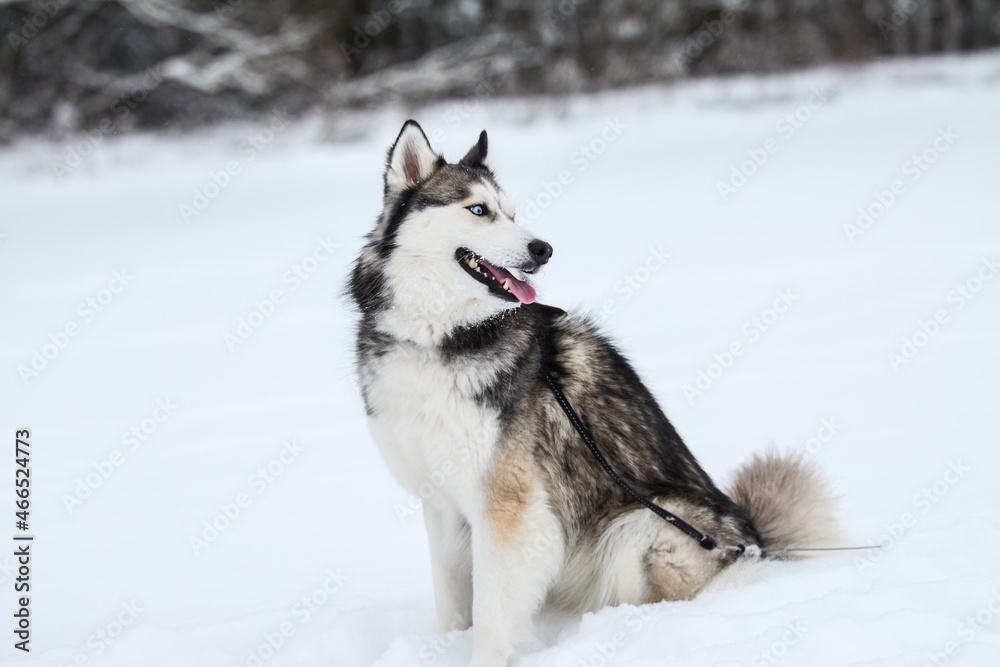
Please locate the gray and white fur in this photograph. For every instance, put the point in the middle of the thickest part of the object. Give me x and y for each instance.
(452, 355)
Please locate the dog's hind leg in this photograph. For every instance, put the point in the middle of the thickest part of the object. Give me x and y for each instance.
(517, 550)
(451, 560)
(675, 566)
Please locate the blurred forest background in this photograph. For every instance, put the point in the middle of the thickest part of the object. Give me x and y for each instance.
(76, 65)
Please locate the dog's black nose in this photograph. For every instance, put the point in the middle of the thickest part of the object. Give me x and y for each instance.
(540, 251)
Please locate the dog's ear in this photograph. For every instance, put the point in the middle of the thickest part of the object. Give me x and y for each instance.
(476, 157)
(411, 159)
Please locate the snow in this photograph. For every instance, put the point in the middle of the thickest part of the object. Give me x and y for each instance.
(326, 559)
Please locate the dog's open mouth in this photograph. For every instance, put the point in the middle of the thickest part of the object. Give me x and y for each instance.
(499, 280)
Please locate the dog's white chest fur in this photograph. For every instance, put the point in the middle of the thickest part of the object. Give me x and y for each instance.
(435, 437)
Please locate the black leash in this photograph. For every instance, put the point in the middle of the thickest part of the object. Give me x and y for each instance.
(706, 541)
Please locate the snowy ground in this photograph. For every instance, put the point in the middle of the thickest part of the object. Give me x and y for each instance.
(149, 422)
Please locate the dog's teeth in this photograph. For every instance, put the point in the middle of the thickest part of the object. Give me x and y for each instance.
(506, 285)
(473, 264)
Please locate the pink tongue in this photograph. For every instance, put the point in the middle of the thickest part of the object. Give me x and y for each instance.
(524, 292)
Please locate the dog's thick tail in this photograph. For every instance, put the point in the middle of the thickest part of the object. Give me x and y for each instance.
(788, 501)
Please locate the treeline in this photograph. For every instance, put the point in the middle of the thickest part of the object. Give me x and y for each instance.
(71, 65)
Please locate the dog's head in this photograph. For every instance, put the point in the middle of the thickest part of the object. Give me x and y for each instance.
(446, 251)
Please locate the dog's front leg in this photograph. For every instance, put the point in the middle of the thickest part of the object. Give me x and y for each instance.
(451, 560)
(517, 550)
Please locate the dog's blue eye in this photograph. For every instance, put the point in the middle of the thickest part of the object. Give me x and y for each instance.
(477, 209)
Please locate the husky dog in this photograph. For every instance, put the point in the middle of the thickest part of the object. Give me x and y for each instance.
(454, 358)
